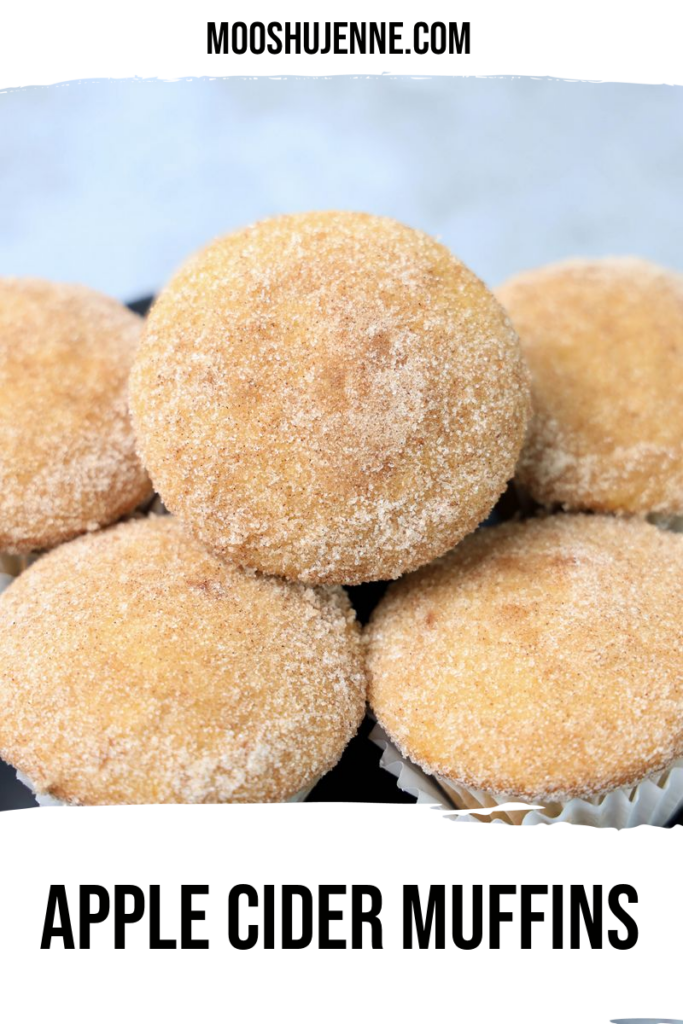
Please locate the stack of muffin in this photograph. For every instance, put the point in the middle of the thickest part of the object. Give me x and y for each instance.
(324, 400)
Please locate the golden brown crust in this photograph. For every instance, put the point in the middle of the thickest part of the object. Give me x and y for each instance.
(67, 451)
(135, 667)
(540, 660)
(604, 342)
(330, 397)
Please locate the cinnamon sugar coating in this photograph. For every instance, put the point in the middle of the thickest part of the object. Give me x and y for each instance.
(330, 397)
(67, 451)
(135, 667)
(541, 660)
(604, 342)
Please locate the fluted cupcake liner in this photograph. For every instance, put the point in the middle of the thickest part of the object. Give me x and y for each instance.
(653, 801)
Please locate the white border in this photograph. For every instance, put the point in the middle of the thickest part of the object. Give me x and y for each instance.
(45, 42)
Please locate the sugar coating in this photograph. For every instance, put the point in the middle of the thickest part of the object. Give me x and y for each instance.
(67, 451)
(541, 660)
(135, 667)
(604, 342)
(330, 397)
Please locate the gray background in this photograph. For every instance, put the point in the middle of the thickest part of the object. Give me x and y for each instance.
(113, 183)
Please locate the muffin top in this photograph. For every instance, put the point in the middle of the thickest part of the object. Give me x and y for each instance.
(604, 342)
(137, 668)
(330, 397)
(67, 451)
(539, 660)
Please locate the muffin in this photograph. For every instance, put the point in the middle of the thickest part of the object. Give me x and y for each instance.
(135, 667)
(329, 397)
(604, 342)
(67, 450)
(541, 662)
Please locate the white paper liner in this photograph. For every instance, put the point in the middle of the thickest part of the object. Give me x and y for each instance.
(42, 799)
(654, 801)
(45, 800)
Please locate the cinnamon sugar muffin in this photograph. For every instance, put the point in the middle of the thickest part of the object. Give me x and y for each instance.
(539, 661)
(67, 452)
(135, 667)
(604, 342)
(329, 397)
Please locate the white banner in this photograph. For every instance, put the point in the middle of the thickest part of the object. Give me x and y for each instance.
(206, 856)
(615, 40)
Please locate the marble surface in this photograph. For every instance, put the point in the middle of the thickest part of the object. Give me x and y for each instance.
(113, 183)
